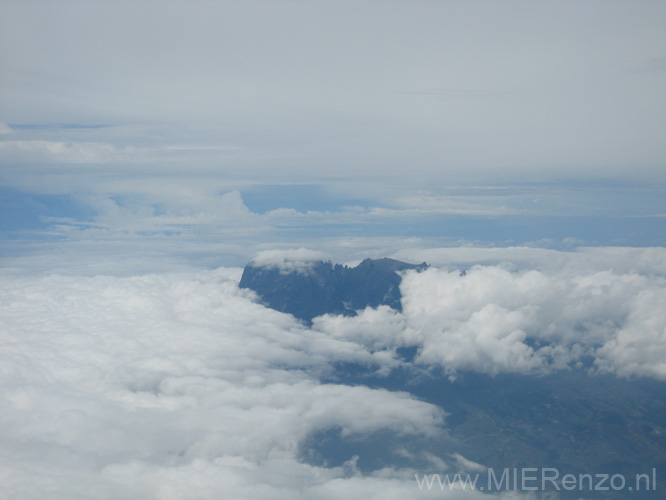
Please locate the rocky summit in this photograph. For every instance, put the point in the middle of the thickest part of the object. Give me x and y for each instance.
(310, 289)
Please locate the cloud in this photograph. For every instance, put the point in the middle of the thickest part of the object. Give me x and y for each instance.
(638, 348)
(300, 259)
(378, 328)
(60, 152)
(423, 203)
(34, 151)
(632, 260)
(353, 94)
(497, 318)
(176, 386)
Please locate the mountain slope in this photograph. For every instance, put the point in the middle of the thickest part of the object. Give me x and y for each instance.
(317, 288)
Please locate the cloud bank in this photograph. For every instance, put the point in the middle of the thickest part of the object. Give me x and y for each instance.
(501, 318)
(516, 91)
(176, 386)
(181, 385)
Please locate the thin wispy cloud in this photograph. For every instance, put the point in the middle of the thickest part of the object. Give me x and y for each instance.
(309, 83)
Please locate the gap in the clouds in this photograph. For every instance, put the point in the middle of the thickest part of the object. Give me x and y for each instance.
(263, 198)
(572, 420)
(23, 211)
(559, 216)
(557, 232)
(553, 232)
(407, 354)
(374, 451)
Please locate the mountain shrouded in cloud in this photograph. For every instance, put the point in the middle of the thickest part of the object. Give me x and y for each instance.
(179, 384)
(148, 150)
(308, 289)
(489, 319)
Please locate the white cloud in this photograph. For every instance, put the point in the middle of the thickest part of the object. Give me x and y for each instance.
(507, 318)
(639, 346)
(299, 259)
(424, 203)
(32, 151)
(58, 151)
(468, 465)
(378, 328)
(175, 386)
(646, 260)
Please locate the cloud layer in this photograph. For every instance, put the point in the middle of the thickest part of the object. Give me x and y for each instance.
(175, 386)
(520, 92)
(504, 318)
(180, 385)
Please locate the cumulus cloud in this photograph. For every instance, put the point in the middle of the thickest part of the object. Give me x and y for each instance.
(378, 328)
(561, 311)
(639, 345)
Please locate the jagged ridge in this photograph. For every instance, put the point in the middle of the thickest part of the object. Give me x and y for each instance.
(321, 287)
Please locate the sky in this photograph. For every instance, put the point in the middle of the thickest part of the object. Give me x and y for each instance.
(149, 150)
(366, 123)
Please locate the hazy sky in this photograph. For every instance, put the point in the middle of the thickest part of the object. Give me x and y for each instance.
(388, 119)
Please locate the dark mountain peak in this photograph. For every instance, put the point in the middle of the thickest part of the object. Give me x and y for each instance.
(312, 288)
